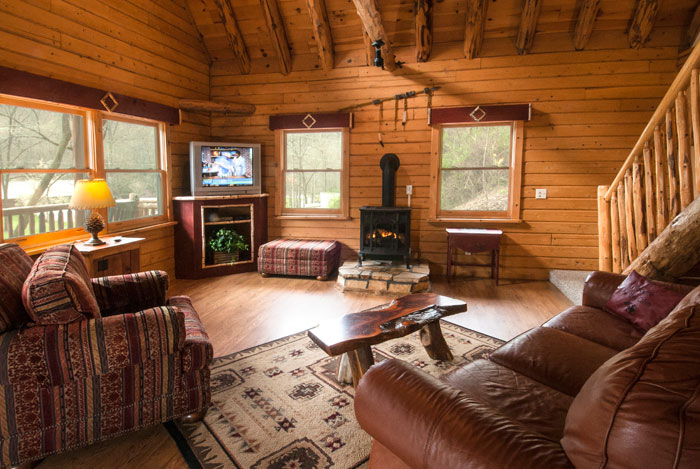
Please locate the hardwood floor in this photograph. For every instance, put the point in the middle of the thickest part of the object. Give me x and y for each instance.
(240, 311)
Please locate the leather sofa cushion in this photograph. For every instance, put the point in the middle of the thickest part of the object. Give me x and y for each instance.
(553, 357)
(642, 407)
(58, 289)
(15, 265)
(642, 302)
(538, 407)
(597, 326)
(692, 298)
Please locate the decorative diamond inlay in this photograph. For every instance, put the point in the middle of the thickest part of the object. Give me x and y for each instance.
(309, 121)
(109, 102)
(477, 114)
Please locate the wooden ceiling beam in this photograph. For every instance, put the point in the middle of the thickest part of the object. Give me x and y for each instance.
(275, 25)
(643, 22)
(371, 19)
(233, 34)
(424, 29)
(585, 22)
(474, 27)
(224, 107)
(369, 50)
(322, 32)
(528, 25)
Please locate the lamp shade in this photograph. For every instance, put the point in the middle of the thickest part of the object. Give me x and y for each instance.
(90, 194)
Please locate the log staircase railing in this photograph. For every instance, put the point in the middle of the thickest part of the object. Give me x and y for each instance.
(659, 178)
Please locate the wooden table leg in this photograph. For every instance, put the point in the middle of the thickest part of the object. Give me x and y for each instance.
(434, 343)
(342, 371)
(358, 361)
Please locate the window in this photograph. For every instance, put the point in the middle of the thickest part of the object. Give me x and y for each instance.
(46, 148)
(477, 168)
(132, 165)
(313, 172)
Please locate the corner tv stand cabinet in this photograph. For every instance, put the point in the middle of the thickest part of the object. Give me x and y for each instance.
(199, 217)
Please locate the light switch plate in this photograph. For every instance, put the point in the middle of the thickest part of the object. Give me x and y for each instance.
(540, 193)
(409, 189)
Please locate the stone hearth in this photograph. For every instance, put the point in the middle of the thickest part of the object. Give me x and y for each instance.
(384, 277)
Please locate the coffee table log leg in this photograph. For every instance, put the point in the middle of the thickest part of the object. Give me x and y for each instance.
(434, 343)
(343, 373)
(359, 361)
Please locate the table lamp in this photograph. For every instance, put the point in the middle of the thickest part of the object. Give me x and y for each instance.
(91, 194)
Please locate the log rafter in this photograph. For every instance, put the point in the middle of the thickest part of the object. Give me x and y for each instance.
(225, 107)
(424, 29)
(322, 32)
(528, 25)
(474, 27)
(642, 23)
(233, 34)
(585, 22)
(275, 25)
(371, 19)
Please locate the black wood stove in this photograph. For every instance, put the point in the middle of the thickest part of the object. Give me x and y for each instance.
(385, 232)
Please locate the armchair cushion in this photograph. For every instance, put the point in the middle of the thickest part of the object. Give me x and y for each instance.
(198, 352)
(16, 265)
(58, 289)
(57, 354)
(120, 294)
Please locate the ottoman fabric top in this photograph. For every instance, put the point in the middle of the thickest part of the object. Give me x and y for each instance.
(299, 257)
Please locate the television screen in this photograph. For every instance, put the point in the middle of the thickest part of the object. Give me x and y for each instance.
(227, 166)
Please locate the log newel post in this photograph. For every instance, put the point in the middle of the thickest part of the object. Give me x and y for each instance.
(604, 233)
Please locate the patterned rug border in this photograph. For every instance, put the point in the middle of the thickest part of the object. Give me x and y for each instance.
(180, 439)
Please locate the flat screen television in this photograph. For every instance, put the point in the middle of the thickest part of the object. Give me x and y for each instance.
(221, 168)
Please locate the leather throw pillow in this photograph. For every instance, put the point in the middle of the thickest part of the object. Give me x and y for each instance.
(58, 289)
(642, 302)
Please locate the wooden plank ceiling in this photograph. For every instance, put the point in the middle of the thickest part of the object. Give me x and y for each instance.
(292, 35)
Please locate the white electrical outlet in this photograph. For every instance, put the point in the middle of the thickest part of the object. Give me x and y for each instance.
(540, 193)
(409, 189)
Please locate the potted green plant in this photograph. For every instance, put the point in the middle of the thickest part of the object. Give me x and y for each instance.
(226, 245)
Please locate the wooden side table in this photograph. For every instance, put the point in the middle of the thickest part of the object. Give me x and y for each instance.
(474, 240)
(114, 257)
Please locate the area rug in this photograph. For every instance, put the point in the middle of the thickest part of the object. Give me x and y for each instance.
(278, 405)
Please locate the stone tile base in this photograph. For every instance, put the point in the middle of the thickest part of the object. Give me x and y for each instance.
(384, 277)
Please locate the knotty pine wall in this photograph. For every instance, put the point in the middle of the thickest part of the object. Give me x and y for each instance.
(148, 49)
(588, 108)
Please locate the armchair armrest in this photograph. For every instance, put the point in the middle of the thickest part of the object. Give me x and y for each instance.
(121, 294)
(429, 424)
(599, 287)
(59, 353)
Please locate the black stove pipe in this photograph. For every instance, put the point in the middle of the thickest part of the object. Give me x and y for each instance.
(389, 164)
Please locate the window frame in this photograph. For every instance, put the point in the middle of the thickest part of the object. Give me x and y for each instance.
(512, 213)
(312, 213)
(94, 168)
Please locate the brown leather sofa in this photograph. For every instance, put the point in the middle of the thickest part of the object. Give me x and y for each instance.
(585, 389)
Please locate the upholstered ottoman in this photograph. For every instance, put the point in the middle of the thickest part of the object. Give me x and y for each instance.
(301, 257)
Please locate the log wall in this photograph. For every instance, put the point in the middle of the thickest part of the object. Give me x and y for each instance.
(589, 108)
(148, 49)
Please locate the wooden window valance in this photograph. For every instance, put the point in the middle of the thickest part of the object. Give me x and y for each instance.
(28, 85)
(328, 120)
(486, 113)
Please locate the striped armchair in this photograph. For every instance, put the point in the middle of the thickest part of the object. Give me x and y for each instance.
(70, 377)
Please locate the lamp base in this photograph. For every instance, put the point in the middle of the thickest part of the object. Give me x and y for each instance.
(94, 225)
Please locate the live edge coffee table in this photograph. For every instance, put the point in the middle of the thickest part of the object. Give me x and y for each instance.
(353, 335)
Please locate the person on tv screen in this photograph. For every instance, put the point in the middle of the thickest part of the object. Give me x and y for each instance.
(225, 163)
(239, 165)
